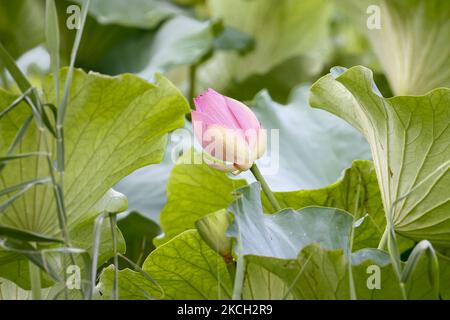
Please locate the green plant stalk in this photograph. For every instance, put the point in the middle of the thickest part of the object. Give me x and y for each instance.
(239, 278)
(35, 280)
(65, 98)
(384, 238)
(56, 187)
(32, 98)
(53, 42)
(95, 251)
(4, 78)
(239, 273)
(395, 258)
(60, 207)
(265, 187)
(10, 64)
(192, 84)
(113, 223)
(350, 249)
(63, 106)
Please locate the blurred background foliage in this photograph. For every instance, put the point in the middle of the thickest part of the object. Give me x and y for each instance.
(264, 52)
(260, 51)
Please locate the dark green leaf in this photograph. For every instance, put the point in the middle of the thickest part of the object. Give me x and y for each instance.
(138, 232)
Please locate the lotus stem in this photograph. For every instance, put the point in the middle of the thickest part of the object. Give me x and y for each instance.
(265, 187)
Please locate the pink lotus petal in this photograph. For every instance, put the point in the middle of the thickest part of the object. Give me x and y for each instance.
(200, 124)
(245, 118)
(215, 105)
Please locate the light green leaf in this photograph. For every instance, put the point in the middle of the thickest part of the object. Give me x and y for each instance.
(10, 291)
(261, 284)
(319, 274)
(409, 138)
(82, 236)
(14, 266)
(114, 126)
(132, 285)
(193, 191)
(411, 42)
(185, 268)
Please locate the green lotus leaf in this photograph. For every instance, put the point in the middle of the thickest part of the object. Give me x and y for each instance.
(311, 250)
(193, 191)
(183, 268)
(409, 138)
(14, 266)
(114, 126)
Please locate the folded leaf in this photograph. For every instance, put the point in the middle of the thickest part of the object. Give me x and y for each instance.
(409, 138)
(411, 41)
(285, 233)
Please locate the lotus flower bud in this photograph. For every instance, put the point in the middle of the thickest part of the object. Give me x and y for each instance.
(228, 131)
